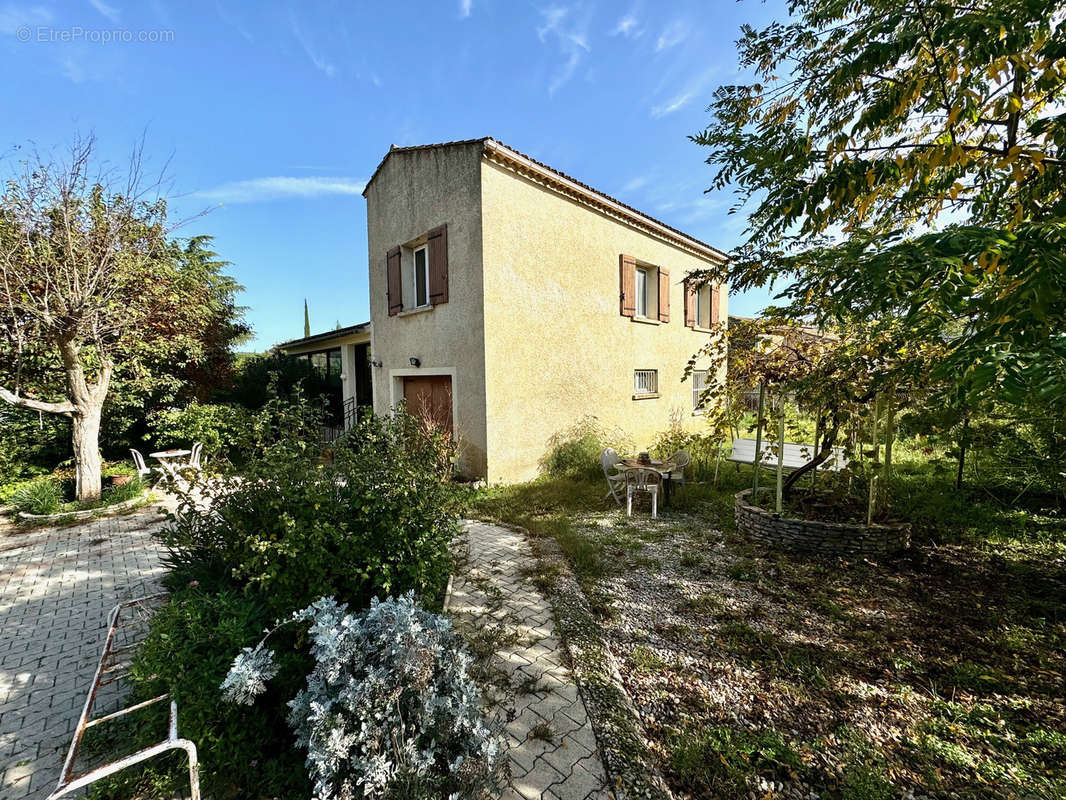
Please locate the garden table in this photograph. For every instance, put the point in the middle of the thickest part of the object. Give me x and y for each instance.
(664, 468)
(165, 457)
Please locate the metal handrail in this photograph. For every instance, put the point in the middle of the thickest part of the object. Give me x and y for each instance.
(68, 781)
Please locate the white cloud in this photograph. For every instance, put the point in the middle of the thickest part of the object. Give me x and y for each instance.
(322, 64)
(636, 183)
(110, 12)
(560, 27)
(73, 70)
(675, 104)
(695, 87)
(465, 7)
(12, 17)
(672, 35)
(627, 27)
(261, 190)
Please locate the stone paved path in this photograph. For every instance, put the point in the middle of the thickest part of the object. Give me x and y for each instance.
(56, 587)
(550, 742)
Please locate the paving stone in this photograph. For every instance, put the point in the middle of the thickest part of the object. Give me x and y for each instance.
(568, 767)
(56, 591)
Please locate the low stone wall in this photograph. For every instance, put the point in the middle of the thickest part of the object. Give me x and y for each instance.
(87, 513)
(826, 538)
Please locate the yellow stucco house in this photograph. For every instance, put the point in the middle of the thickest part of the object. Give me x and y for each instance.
(509, 300)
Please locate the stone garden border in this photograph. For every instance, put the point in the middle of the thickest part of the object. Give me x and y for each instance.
(86, 513)
(824, 538)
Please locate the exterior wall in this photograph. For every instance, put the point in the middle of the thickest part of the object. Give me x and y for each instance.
(413, 192)
(556, 347)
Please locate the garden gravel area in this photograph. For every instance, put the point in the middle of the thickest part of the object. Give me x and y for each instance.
(758, 673)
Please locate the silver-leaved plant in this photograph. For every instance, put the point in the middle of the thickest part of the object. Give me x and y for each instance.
(389, 711)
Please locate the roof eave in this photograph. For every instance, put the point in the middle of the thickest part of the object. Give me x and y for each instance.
(315, 338)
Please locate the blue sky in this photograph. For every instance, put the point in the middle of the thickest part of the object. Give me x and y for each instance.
(274, 114)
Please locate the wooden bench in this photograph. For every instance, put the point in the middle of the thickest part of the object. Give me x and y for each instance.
(794, 456)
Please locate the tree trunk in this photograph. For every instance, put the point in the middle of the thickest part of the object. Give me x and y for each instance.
(780, 451)
(962, 453)
(88, 399)
(824, 450)
(758, 442)
(87, 461)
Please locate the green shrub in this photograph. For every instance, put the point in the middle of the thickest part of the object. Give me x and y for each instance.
(224, 429)
(576, 451)
(38, 496)
(120, 493)
(261, 377)
(377, 521)
(30, 443)
(703, 448)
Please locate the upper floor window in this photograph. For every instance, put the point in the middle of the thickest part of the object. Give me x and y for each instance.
(420, 276)
(644, 290)
(701, 305)
(416, 273)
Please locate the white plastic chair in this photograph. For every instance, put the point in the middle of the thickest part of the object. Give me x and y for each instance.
(639, 479)
(680, 460)
(138, 461)
(194, 457)
(615, 480)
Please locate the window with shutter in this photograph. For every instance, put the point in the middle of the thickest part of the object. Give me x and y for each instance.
(627, 276)
(438, 265)
(716, 304)
(394, 281)
(420, 276)
(641, 292)
(690, 304)
(664, 296)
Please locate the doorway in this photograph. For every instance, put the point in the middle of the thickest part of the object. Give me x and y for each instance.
(430, 398)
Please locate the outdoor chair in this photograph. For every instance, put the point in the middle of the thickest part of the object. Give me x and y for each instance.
(639, 479)
(195, 457)
(680, 460)
(615, 480)
(143, 471)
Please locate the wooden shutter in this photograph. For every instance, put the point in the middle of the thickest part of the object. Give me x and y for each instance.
(715, 300)
(664, 295)
(394, 285)
(438, 265)
(690, 304)
(627, 278)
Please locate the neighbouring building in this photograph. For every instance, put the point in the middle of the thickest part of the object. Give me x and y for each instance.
(509, 300)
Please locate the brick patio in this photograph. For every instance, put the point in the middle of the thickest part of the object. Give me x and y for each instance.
(56, 587)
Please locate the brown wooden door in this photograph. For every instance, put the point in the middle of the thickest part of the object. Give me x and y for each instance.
(430, 397)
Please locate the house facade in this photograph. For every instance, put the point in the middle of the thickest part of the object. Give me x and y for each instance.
(508, 301)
